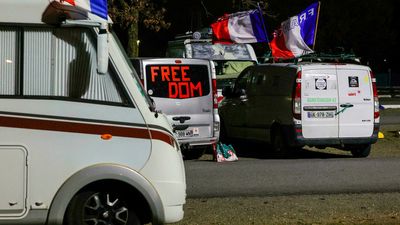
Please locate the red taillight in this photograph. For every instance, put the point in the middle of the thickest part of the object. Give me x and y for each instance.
(296, 98)
(178, 61)
(214, 91)
(376, 100)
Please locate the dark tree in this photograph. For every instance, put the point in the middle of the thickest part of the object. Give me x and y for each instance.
(127, 14)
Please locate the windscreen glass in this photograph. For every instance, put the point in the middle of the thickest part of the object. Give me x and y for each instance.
(177, 81)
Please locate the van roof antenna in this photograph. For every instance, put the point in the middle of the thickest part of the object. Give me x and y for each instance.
(205, 9)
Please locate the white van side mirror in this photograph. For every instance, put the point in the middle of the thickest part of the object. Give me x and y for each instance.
(102, 49)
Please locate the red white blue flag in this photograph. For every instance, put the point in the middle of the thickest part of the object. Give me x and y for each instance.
(97, 7)
(240, 27)
(296, 35)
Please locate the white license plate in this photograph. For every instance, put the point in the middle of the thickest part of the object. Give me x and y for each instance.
(184, 133)
(323, 114)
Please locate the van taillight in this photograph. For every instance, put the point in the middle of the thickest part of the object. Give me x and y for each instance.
(296, 98)
(376, 100)
(214, 91)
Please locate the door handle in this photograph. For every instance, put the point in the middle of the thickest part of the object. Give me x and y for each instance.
(344, 106)
(347, 105)
(181, 119)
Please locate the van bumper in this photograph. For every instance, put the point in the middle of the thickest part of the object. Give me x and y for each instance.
(297, 139)
(198, 142)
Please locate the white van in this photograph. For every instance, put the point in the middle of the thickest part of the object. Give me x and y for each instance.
(79, 142)
(314, 104)
(184, 90)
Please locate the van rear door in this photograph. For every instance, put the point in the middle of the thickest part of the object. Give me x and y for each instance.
(182, 89)
(356, 102)
(319, 100)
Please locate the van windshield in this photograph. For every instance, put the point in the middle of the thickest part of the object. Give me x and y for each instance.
(132, 71)
(177, 81)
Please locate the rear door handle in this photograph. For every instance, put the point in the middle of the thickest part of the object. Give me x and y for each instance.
(347, 105)
(344, 106)
(319, 108)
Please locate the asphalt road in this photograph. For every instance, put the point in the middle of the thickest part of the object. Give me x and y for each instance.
(270, 177)
(307, 172)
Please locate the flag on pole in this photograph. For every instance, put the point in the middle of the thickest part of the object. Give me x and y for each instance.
(97, 7)
(296, 35)
(240, 27)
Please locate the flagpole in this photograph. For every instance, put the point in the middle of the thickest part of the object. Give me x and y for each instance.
(265, 29)
(316, 26)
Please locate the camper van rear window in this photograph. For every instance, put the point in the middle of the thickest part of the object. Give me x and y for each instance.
(220, 51)
(177, 81)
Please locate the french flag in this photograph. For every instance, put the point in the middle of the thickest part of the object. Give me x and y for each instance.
(97, 7)
(240, 27)
(296, 34)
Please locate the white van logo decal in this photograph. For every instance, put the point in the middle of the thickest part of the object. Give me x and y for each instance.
(353, 81)
(320, 84)
(321, 100)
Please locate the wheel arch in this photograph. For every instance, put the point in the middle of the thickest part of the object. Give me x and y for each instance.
(104, 172)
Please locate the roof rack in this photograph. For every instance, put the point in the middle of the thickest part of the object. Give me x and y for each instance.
(204, 33)
(318, 57)
(324, 57)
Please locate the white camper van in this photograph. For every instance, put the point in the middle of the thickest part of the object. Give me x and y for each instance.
(185, 91)
(79, 141)
(314, 104)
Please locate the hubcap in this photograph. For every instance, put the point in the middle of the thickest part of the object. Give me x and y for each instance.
(105, 209)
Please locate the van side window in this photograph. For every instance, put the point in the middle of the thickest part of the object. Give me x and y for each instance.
(55, 62)
(243, 81)
(8, 60)
(257, 83)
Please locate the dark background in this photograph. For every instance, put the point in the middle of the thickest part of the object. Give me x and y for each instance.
(368, 28)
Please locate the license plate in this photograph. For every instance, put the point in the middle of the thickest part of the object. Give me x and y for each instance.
(324, 114)
(184, 133)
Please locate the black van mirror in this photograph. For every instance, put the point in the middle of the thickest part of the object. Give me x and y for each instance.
(241, 92)
(227, 91)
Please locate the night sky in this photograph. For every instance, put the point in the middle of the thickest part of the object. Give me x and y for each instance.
(369, 28)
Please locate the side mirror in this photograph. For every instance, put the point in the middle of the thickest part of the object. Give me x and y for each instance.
(102, 49)
(153, 105)
(241, 92)
(227, 91)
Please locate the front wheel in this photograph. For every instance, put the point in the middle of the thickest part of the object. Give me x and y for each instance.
(279, 145)
(361, 151)
(101, 208)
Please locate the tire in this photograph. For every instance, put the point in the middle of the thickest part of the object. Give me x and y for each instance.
(361, 151)
(103, 207)
(223, 137)
(278, 143)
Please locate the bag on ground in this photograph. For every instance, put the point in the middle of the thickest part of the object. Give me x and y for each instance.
(225, 152)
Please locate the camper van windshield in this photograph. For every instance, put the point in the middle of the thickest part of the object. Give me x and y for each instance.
(207, 50)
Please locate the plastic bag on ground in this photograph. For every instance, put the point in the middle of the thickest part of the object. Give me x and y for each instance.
(225, 153)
